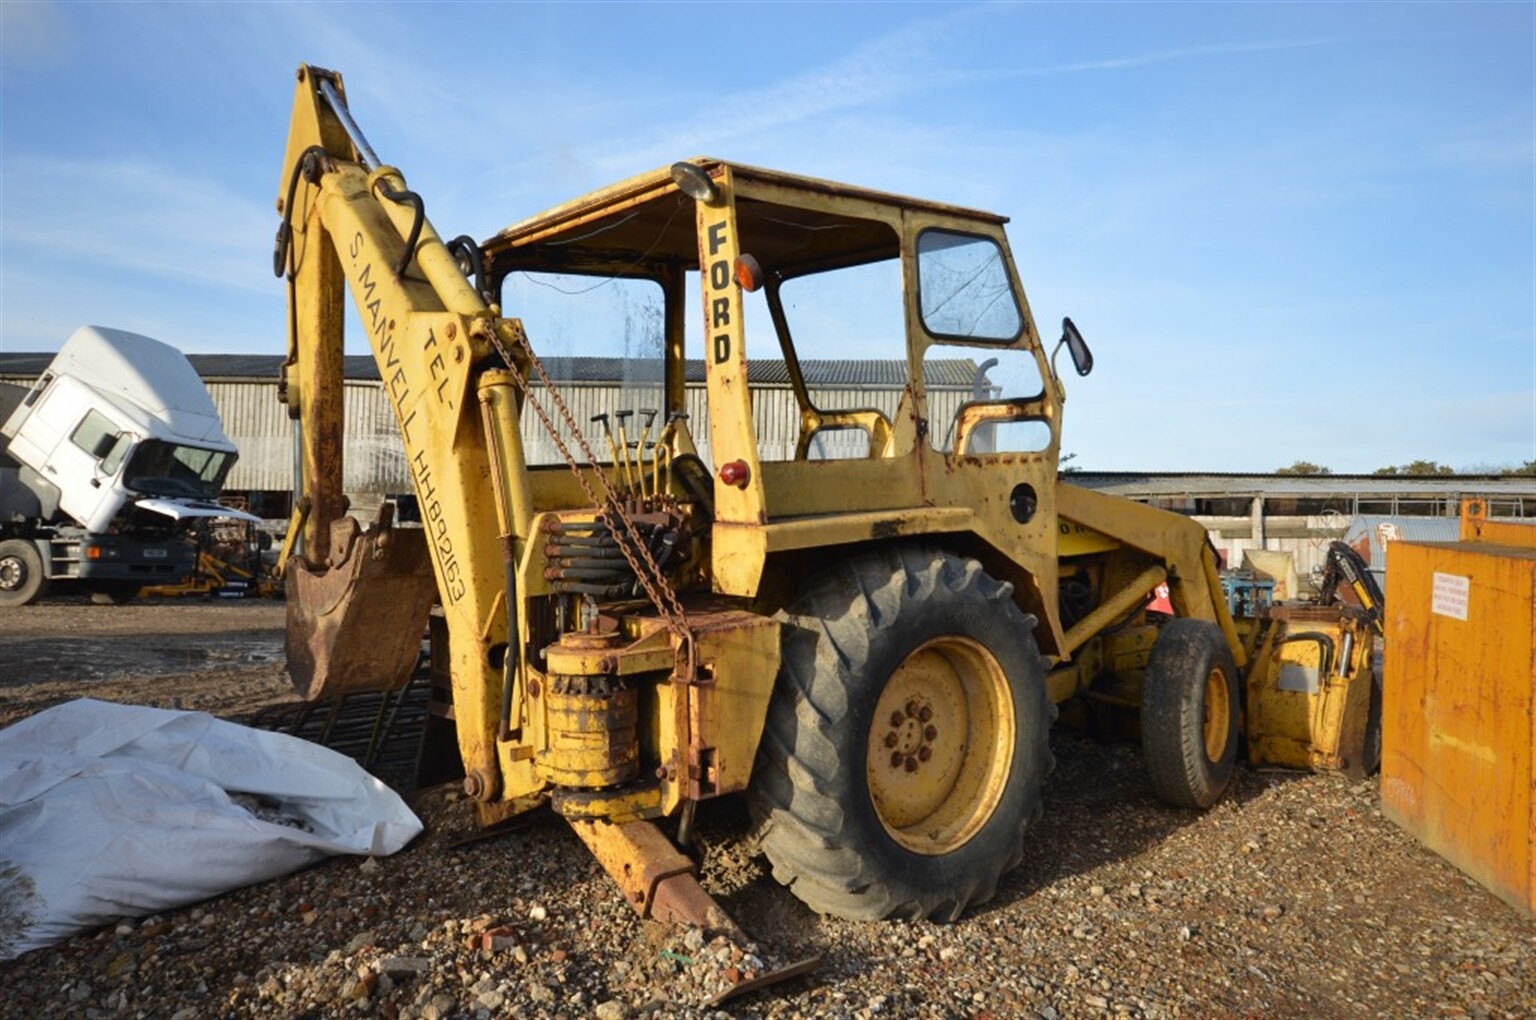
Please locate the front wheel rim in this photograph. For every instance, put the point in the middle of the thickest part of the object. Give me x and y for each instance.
(940, 745)
(13, 573)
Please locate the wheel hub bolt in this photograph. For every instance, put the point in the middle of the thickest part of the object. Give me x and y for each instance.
(910, 735)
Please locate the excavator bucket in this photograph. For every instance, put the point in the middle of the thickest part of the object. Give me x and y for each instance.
(357, 623)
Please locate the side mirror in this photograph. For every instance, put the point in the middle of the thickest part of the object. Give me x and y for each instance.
(1082, 357)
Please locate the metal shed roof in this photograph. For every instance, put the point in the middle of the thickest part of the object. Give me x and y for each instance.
(952, 373)
(1139, 485)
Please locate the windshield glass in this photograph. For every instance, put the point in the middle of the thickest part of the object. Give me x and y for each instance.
(158, 468)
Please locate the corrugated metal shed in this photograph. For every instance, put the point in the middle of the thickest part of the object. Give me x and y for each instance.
(775, 414)
(1370, 534)
(244, 389)
(855, 374)
(1195, 485)
(243, 367)
(848, 374)
(261, 429)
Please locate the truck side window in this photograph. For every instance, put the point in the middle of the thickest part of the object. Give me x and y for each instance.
(99, 437)
(114, 458)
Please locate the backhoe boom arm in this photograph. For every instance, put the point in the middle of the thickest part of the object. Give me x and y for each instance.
(362, 229)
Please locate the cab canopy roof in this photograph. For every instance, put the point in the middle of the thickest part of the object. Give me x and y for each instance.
(791, 224)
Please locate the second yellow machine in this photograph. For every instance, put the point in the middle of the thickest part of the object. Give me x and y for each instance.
(863, 620)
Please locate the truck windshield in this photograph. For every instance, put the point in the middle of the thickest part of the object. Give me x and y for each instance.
(158, 468)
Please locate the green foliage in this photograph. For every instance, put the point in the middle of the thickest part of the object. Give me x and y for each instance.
(1303, 467)
(1417, 467)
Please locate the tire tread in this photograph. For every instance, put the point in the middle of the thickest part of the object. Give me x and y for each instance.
(795, 795)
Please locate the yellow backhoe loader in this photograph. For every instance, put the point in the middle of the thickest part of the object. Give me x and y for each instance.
(865, 625)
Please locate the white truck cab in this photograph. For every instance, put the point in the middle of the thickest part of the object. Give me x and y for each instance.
(116, 441)
(119, 419)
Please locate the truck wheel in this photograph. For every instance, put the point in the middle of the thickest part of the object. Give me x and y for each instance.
(22, 580)
(1189, 727)
(906, 740)
(115, 594)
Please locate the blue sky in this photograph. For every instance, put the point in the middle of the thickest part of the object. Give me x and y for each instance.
(1288, 230)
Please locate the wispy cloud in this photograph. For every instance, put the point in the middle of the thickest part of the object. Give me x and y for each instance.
(913, 59)
(896, 63)
(1160, 57)
(134, 216)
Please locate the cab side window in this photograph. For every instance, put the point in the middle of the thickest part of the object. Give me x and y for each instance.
(100, 438)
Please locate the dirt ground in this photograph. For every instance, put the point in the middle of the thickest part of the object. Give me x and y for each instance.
(223, 657)
(1293, 897)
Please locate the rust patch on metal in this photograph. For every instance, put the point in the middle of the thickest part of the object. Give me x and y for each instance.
(637, 857)
(592, 724)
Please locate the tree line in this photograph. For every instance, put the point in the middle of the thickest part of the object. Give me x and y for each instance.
(1417, 468)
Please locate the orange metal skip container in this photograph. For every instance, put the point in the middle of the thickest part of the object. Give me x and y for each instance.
(1459, 700)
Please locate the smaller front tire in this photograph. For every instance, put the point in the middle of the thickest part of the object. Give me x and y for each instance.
(22, 579)
(1189, 714)
(1372, 762)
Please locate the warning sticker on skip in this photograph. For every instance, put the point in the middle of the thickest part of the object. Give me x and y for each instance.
(1450, 595)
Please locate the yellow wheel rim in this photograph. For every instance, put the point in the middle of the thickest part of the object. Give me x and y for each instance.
(941, 745)
(1218, 713)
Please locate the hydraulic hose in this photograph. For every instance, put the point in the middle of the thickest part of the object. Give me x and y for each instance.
(284, 241)
(410, 198)
(464, 249)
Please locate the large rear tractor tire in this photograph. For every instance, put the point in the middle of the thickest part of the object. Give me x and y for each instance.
(22, 580)
(907, 738)
(1189, 714)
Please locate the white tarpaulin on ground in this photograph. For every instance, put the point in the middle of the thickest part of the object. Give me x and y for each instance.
(118, 810)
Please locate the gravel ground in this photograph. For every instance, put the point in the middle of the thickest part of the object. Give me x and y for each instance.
(1292, 898)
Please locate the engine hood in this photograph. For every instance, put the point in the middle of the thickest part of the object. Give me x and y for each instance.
(184, 509)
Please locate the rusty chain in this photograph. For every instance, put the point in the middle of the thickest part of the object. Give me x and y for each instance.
(651, 578)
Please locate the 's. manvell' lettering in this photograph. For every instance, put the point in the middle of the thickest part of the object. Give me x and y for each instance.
(397, 385)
